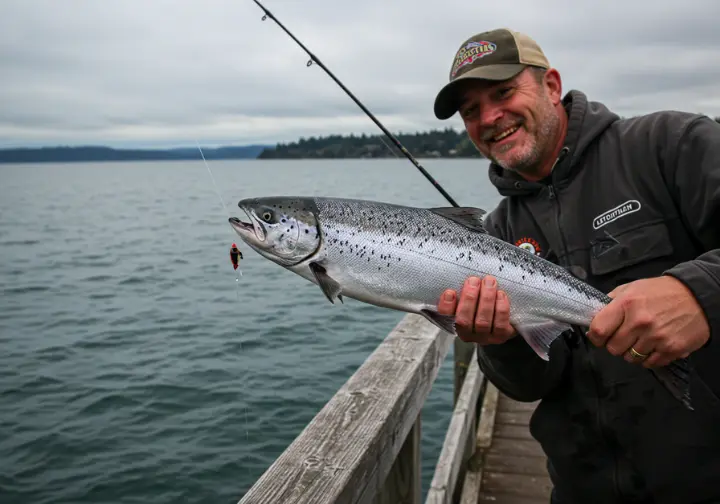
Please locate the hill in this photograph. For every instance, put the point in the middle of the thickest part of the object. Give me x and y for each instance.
(435, 143)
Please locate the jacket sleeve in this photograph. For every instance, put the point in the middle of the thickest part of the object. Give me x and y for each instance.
(513, 367)
(693, 178)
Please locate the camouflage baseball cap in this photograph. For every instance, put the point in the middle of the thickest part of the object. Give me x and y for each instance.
(492, 55)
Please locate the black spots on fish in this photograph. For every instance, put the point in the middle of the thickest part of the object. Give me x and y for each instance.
(307, 231)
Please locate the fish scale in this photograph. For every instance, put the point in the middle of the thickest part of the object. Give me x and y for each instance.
(404, 258)
(403, 244)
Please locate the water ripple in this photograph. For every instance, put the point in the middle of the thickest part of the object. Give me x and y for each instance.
(134, 372)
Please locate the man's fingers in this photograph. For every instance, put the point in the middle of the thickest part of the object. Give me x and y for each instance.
(502, 329)
(605, 323)
(641, 346)
(465, 314)
(657, 359)
(486, 308)
(447, 303)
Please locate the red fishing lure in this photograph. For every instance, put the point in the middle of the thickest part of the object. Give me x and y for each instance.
(235, 256)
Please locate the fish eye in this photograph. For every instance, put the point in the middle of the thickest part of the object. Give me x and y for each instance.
(267, 216)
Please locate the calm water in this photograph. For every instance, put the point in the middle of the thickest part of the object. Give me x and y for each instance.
(135, 367)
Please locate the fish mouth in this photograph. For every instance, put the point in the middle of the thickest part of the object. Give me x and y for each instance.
(251, 229)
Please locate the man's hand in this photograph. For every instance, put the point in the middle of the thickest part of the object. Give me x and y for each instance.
(658, 317)
(483, 313)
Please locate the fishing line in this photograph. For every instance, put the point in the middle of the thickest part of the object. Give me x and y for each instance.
(395, 141)
(238, 271)
(217, 191)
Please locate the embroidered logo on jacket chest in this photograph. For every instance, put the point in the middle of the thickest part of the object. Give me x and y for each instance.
(623, 209)
(529, 244)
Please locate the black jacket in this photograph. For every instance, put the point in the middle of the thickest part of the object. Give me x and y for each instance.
(627, 199)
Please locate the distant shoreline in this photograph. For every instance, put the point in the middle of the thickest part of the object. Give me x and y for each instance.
(442, 144)
(109, 154)
(439, 144)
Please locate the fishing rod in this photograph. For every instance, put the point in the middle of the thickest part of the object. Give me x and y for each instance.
(397, 143)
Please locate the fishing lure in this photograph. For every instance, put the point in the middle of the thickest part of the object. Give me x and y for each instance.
(235, 256)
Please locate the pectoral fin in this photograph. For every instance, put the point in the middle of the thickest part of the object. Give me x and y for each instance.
(330, 287)
(540, 334)
(444, 322)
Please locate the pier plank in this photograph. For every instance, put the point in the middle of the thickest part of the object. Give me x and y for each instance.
(514, 469)
(462, 426)
(346, 452)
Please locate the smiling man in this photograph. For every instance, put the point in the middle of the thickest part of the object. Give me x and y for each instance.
(631, 206)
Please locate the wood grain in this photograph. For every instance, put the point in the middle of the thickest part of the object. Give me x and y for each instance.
(346, 452)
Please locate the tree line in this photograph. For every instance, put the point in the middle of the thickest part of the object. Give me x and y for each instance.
(433, 143)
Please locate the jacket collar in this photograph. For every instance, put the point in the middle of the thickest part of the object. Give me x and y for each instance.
(586, 121)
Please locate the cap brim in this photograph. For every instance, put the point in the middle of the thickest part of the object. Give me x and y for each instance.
(447, 100)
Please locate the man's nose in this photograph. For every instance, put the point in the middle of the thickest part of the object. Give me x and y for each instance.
(490, 114)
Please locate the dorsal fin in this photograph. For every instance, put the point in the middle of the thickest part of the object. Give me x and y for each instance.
(469, 217)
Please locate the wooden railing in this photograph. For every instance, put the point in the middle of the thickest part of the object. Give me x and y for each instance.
(364, 444)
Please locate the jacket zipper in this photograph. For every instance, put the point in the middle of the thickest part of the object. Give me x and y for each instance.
(565, 262)
(552, 196)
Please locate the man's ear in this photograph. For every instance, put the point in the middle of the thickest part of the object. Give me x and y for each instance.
(553, 84)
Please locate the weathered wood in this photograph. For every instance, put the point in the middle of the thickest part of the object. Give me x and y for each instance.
(404, 483)
(471, 486)
(462, 355)
(488, 414)
(513, 418)
(518, 464)
(517, 484)
(346, 452)
(512, 431)
(483, 439)
(508, 404)
(510, 499)
(452, 455)
(521, 447)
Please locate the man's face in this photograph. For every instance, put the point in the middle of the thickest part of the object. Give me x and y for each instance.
(514, 123)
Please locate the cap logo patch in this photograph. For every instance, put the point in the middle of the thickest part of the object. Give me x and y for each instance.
(471, 52)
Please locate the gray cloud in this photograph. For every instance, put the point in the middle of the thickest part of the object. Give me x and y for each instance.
(132, 72)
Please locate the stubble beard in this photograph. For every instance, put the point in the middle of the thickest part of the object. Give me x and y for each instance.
(528, 158)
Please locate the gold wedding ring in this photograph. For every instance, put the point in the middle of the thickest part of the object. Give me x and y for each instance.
(637, 354)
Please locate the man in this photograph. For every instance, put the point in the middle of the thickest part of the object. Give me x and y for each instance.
(631, 206)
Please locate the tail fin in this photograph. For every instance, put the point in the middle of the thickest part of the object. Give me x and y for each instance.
(676, 378)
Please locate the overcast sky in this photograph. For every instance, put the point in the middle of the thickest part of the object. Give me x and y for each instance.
(170, 72)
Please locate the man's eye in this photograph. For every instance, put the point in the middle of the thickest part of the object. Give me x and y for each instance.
(468, 112)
